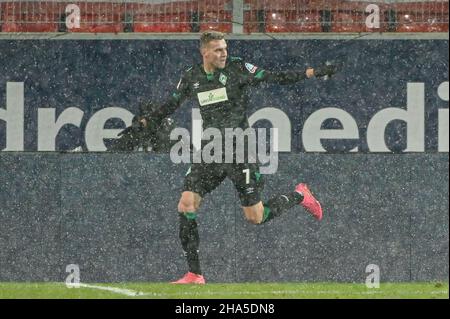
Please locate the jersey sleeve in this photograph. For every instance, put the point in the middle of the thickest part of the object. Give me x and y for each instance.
(253, 75)
(156, 113)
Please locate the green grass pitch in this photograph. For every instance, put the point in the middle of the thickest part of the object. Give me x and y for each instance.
(9, 290)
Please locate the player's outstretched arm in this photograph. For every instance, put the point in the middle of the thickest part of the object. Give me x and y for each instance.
(151, 115)
(257, 75)
(130, 138)
(290, 77)
(326, 70)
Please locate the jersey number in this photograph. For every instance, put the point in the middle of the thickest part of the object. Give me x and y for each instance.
(247, 175)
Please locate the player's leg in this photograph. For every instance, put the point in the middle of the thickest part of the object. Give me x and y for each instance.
(188, 233)
(199, 181)
(187, 208)
(255, 213)
(250, 185)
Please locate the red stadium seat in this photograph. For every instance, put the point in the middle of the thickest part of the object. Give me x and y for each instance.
(407, 23)
(348, 22)
(276, 22)
(98, 17)
(217, 21)
(214, 5)
(99, 28)
(292, 21)
(28, 22)
(305, 22)
(161, 23)
(29, 27)
(36, 11)
(422, 16)
(254, 21)
(259, 16)
(109, 9)
(98, 23)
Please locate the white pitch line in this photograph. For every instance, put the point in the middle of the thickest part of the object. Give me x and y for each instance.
(133, 293)
(126, 292)
(281, 292)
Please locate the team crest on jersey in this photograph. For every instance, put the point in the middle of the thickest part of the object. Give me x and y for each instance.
(223, 79)
(250, 67)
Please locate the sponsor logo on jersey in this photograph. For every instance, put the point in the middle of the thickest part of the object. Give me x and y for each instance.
(250, 67)
(212, 97)
(196, 85)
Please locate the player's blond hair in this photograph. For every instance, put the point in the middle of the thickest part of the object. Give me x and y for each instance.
(209, 36)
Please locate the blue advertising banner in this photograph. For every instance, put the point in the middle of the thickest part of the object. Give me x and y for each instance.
(115, 214)
(389, 95)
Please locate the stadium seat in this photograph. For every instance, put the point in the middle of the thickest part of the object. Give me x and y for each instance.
(259, 16)
(98, 28)
(276, 22)
(408, 23)
(217, 21)
(422, 16)
(29, 27)
(348, 22)
(109, 9)
(305, 22)
(351, 16)
(28, 22)
(254, 21)
(99, 23)
(292, 21)
(214, 5)
(161, 23)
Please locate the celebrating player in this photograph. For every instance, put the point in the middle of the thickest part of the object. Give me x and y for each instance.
(218, 85)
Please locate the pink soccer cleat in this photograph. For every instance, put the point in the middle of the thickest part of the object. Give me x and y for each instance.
(191, 278)
(310, 203)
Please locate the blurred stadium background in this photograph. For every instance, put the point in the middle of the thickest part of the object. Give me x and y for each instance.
(230, 16)
(413, 248)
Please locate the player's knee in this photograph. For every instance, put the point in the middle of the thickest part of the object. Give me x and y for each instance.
(254, 217)
(254, 214)
(254, 220)
(188, 204)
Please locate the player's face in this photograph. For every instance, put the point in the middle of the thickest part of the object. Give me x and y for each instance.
(215, 53)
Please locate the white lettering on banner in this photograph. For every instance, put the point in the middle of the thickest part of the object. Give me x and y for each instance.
(48, 128)
(280, 121)
(212, 97)
(313, 133)
(95, 131)
(13, 115)
(413, 115)
(443, 126)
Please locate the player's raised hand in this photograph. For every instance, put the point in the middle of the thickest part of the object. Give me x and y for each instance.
(326, 70)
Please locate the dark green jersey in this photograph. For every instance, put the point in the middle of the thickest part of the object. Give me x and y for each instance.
(221, 95)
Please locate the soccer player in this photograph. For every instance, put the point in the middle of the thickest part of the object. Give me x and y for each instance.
(218, 85)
